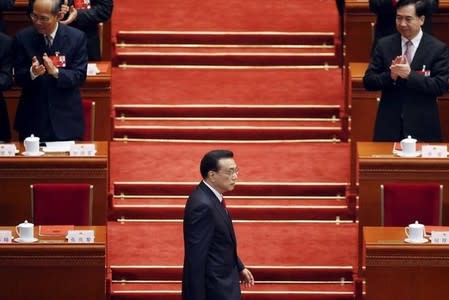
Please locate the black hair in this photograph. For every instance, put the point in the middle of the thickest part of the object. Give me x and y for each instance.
(210, 160)
(420, 6)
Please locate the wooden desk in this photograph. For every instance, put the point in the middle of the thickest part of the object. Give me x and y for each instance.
(363, 106)
(377, 165)
(53, 269)
(359, 30)
(17, 173)
(397, 270)
(96, 88)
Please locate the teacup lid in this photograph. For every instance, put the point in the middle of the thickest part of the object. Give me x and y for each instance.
(409, 139)
(32, 138)
(416, 225)
(26, 224)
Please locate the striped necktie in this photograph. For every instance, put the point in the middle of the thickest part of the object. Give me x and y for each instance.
(408, 51)
(48, 41)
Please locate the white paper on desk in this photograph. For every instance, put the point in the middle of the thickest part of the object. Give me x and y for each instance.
(58, 146)
(92, 69)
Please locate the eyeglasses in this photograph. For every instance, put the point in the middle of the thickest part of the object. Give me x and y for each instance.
(230, 172)
(36, 18)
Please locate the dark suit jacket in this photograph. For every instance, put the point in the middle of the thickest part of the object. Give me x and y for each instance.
(6, 60)
(386, 17)
(211, 265)
(4, 5)
(46, 102)
(410, 103)
(88, 20)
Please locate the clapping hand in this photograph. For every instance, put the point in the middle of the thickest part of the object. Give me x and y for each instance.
(49, 65)
(399, 67)
(73, 13)
(36, 67)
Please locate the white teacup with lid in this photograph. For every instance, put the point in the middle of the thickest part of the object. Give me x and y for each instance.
(408, 145)
(25, 231)
(31, 144)
(415, 232)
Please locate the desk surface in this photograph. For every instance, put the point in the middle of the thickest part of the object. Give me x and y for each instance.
(100, 237)
(397, 270)
(383, 242)
(382, 152)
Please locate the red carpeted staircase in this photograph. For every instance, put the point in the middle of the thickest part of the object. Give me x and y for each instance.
(150, 48)
(289, 260)
(264, 79)
(281, 219)
(232, 104)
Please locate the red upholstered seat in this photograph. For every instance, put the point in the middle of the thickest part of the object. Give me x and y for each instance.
(61, 203)
(405, 203)
(89, 119)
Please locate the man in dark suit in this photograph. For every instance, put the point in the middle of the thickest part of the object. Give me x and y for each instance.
(411, 68)
(5, 83)
(212, 268)
(50, 66)
(4, 5)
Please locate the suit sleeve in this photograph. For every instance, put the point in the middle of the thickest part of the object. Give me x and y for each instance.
(381, 6)
(100, 11)
(378, 76)
(433, 6)
(198, 234)
(6, 61)
(22, 62)
(6, 4)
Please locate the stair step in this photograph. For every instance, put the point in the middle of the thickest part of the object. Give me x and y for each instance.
(260, 291)
(223, 37)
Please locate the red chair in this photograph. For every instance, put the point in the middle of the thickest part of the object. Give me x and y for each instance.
(61, 204)
(405, 203)
(89, 119)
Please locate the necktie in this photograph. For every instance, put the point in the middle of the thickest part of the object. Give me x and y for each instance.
(223, 202)
(408, 51)
(48, 41)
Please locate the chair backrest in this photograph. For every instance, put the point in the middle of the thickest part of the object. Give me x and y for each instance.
(405, 203)
(89, 119)
(61, 204)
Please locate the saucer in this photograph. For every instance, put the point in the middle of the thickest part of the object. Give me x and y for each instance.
(402, 154)
(416, 241)
(33, 154)
(19, 240)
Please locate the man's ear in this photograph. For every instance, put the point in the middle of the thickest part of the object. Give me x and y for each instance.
(422, 19)
(211, 175)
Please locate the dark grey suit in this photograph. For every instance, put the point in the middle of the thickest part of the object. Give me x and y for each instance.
(6, 60)
(51, 108)
(408, 106)
(4, 5)
(211, 265)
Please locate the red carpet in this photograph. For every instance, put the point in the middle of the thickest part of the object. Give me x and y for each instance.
(315, 256)
(260, 244)
(273, 251)
(226, 15)
(262, 162)
(227, 86)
